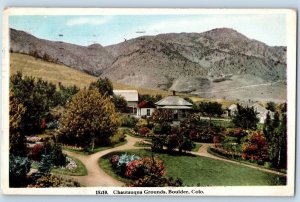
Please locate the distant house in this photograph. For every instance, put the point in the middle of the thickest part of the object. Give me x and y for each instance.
(131, 97)
(262, 112)
(145, 108)
(179, 106)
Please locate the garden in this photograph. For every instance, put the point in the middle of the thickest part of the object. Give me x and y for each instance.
(48, 121)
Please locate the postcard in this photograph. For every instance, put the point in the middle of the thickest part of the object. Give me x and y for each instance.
(123, 101)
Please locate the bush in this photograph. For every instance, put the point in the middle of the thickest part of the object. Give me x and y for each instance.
(118, 137)
(156, 181)
(18, 169)
(36, 152)
(128, 121)
(57, 157)
(257, 148)
(50, 180)
(144, 131)
(141, 123)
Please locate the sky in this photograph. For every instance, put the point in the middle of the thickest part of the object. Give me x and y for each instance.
(112, 29)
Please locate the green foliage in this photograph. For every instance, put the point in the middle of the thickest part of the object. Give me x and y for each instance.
(128, 121)
(36, 95)
(163, 128)
(50, 180)
(211, 109)
(58, 158)
(271, 106)
(118, 137)
(276, 133)
(104, 86)
(18, 169)
(149, 98)
(245, 117)
(89, 117)
(45, 165)
(120, 103)
(65, 94)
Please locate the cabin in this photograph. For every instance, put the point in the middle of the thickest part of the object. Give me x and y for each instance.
(131, 97)
(145, 108)
(180, 107)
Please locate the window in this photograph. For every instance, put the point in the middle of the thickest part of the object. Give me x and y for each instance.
(148, 112)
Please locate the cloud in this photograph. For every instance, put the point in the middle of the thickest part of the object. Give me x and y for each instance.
(88, 21)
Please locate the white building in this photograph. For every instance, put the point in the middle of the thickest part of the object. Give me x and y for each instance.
(131, 97)
(145, 109)
(179, 106)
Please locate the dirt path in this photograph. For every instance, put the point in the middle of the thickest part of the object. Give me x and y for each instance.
(98, 178)
(203, 152)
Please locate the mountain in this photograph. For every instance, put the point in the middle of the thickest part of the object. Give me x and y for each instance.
(220, 63)
(91, 59)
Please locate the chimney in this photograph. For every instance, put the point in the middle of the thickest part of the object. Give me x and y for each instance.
(174, 92)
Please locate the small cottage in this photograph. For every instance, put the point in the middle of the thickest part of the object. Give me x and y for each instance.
(179, 106)
(145, 108)
(131, 97)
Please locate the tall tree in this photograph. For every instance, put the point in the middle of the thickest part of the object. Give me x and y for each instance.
(245, 117)
(89, 117)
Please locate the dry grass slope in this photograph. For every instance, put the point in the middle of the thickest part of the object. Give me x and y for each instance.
(56, 73)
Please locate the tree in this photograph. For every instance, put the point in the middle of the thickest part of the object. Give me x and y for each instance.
(276, 133)
(36, 95)
(149, 98)
(211, 109)
(17, 141)
(104, 86)
(65, 94)
(195, 107)
(245, 117)
(120, 102)
(89, 117)
(271, 106)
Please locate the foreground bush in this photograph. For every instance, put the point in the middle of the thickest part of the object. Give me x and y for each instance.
(50, 180)
(156, 181)
(18, 169)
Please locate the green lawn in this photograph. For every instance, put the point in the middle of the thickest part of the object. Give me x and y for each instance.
(96, 149)
(203, 171)
(79, 171)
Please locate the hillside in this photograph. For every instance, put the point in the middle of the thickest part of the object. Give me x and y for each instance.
(219, 63)
(55, 73)
(92, 59)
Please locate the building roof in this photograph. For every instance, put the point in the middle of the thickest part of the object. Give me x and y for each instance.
(146, 104)
(176, 107)
(129, 95)
(173, 100)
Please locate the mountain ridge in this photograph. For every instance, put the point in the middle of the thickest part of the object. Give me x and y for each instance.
(185, 62)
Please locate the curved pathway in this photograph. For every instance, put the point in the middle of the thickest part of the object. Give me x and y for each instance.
(97, 177)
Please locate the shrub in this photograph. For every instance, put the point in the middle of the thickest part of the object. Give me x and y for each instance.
(257, 148)
(57, 157)
(187, 145)
(119, 136)
(50, 180)
(141, 123)
(36, 152)
(143, 131)
(114, 160)
(18, 169)
(128, 121)
(156, 181)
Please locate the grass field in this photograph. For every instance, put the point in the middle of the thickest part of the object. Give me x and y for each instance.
(55, 73)
(202, 171)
